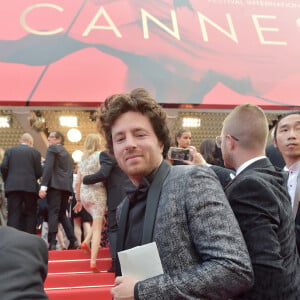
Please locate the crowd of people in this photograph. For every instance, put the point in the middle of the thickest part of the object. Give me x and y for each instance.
(225, 219)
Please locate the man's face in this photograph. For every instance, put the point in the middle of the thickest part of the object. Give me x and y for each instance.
(288, 138)
(52, 140)
(136, 146)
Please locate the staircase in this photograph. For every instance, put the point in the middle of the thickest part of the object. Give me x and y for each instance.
(69, 277)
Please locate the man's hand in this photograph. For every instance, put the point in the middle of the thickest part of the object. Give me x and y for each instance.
(124, 288)
(42, 194)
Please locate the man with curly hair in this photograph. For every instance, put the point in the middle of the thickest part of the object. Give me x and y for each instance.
(183, 209)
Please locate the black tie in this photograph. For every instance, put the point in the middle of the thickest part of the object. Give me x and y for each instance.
(136, 194)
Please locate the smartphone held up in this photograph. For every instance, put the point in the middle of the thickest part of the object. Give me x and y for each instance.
(175, 153)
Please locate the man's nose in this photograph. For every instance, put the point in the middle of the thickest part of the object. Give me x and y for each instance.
(130, 142)
(292, 133)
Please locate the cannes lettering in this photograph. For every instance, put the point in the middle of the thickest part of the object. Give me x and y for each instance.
(170, 25)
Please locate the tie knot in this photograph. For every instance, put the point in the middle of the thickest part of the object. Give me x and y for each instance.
(139, 193)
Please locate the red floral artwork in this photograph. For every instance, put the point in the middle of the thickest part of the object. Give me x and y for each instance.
(208, 53)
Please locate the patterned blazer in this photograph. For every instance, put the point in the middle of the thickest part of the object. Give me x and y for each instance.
(202, 250)
(260, 201)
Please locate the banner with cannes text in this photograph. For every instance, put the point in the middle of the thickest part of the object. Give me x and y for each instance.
(208, 53)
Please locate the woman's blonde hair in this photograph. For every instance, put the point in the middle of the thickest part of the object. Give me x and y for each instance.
(1, 154)
(92, 144)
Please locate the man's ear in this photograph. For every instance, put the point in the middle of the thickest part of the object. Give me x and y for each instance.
(274, 142)
(231, 142)
(162, 148)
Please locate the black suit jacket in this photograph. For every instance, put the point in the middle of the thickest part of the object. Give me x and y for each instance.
(225, 175)
(275, 156)
(115, 179)
(21, 168)
(23, 265)
(58, 169)
(297, 228)
(260, 201)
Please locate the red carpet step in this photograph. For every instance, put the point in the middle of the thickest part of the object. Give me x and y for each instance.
(76, 254)
(81, 279)
(78, 265)
(69, 276)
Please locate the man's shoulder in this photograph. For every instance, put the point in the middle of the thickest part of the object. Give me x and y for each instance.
(105, 155)
(223, 171)
(34, 150)
(258, 179)
(13, 148)
(191, 171)
(12, 238)
(56, 148)
(19, 149)
(52, 148)
(14, 234)
(250, 174)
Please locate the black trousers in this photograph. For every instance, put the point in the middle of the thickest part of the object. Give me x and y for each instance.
(112, 232)
(57, 206)
(22, 211)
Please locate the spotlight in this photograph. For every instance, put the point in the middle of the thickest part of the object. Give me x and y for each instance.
(74, 135)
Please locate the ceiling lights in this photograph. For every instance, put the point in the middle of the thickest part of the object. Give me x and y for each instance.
(191, 122)
(68, 121)
(5, 121)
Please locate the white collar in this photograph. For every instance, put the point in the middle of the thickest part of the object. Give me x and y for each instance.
(248, 163)
(295, 166)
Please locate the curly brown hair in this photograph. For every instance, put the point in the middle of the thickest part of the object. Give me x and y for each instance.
(138, 100)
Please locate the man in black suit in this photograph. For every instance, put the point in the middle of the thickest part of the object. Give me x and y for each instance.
(287, 140)
(225, 175)
(56, 184)
(115, 180)
(260, 201)
(182, 209)
(275, 156)
(23, 265)
(21, 168)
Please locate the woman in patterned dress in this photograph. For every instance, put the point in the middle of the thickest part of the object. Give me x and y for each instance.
(91, 197)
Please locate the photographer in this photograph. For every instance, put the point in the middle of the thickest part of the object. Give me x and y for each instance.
(183, 141)
(185, 154)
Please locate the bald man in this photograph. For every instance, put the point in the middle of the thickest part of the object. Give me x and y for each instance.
(21, 168)
(260, 201)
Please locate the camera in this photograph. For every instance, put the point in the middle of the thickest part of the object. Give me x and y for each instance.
(179, 154)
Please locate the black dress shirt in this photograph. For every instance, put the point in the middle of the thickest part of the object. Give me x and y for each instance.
(136, 214)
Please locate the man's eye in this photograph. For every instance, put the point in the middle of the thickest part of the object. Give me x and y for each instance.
(140, 134)
(283, 130)
(120, 139)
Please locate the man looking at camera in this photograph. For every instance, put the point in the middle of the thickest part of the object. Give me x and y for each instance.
(183, 209)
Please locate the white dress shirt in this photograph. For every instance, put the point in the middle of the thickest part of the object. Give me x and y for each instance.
(294, 170)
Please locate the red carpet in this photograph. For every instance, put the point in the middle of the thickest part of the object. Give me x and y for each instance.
(69, 277)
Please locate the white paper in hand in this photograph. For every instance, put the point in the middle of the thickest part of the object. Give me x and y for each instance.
(141, 262)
